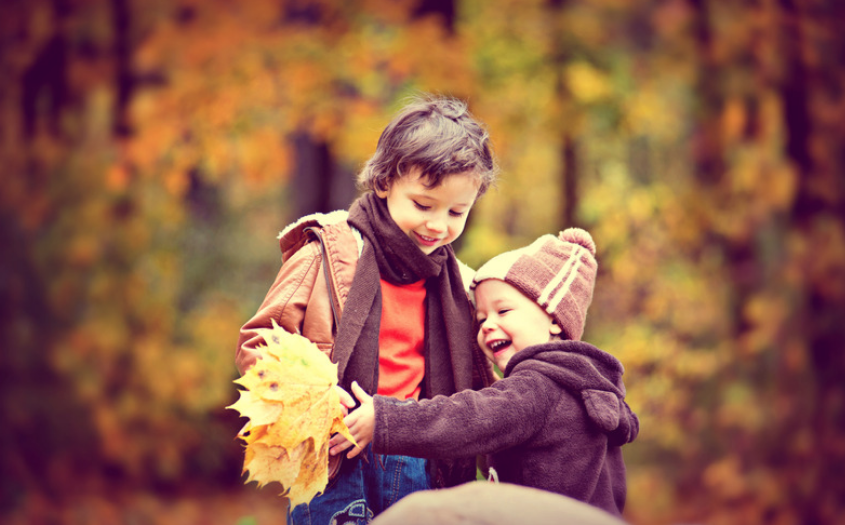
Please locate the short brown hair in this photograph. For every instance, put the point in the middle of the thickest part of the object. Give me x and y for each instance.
(439, 136)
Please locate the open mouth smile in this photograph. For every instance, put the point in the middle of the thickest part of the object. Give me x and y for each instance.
(498, 346)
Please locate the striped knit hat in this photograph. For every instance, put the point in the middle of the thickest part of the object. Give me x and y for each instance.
(558, 273)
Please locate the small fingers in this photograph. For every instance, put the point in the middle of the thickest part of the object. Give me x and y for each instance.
(345, 398)
(338, 444)
(360, 393)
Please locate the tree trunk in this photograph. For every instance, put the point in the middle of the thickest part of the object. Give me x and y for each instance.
(444, 8)
(319, 183)
(124, 85)
(813, 213)
(568, 155)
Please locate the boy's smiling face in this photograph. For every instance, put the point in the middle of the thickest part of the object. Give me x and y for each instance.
(509, 321)
(431, 217)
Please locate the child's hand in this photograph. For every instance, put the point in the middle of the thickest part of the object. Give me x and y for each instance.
(361, 424)
(346, 401)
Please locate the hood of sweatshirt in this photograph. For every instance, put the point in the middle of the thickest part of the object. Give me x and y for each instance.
(589, 374)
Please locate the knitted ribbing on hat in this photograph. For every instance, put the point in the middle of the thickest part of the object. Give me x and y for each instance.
(558, 273)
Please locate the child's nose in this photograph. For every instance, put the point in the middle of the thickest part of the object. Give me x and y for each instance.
(436, 225)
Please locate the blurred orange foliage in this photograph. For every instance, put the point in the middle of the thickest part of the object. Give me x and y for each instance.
(152, 151)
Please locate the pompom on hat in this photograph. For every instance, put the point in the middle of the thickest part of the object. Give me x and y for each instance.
(558, 273)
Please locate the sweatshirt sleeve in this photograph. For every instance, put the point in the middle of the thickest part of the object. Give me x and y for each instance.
(464, 424)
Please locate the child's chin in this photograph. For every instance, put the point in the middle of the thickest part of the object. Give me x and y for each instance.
(503, 360)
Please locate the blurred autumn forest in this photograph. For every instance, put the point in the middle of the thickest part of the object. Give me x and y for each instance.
(151, 150)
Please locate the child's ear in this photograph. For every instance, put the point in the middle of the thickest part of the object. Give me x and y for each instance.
(382, 189)
(555, 329)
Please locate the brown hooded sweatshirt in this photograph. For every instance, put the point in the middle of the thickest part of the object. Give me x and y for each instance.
(556, 422)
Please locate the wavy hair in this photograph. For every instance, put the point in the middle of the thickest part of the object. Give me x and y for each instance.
(439, 136)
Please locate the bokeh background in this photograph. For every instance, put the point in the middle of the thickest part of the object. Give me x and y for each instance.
(151, 150)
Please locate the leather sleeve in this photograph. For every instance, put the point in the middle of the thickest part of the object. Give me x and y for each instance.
(289, 302)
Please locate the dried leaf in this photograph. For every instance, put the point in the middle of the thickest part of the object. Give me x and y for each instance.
(293, 409)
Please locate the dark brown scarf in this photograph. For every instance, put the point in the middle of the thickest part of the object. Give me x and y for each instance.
(390, 254)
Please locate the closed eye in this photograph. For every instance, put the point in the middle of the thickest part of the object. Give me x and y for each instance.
(421, 207)
(454, 213)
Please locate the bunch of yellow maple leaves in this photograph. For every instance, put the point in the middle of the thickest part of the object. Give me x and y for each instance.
(293, 409)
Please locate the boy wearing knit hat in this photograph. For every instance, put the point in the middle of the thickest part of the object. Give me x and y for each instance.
(558, 418)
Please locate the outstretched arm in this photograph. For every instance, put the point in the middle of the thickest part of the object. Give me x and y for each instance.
(361, 424)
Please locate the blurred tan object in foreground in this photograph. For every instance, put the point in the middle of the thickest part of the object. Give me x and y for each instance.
(481, 503)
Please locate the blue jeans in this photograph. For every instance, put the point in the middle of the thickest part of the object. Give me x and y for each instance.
(362, 490)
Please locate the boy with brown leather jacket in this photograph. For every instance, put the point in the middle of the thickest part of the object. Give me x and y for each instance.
(380, 290)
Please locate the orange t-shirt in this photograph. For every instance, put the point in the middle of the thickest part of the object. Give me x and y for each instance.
(401, 356)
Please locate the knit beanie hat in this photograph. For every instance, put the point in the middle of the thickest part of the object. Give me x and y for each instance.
(558, 273)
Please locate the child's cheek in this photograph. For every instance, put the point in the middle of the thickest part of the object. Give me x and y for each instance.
(459, 229)
(488, 354)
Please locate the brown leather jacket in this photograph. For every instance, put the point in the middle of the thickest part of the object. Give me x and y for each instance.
(299, 298)
(319, 256)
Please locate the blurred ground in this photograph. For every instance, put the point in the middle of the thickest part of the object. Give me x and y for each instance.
(248, 506)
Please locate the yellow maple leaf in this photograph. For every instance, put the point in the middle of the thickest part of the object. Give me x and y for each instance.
(259, 414)
(313, 476)
(266, 464)
(293, 410)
